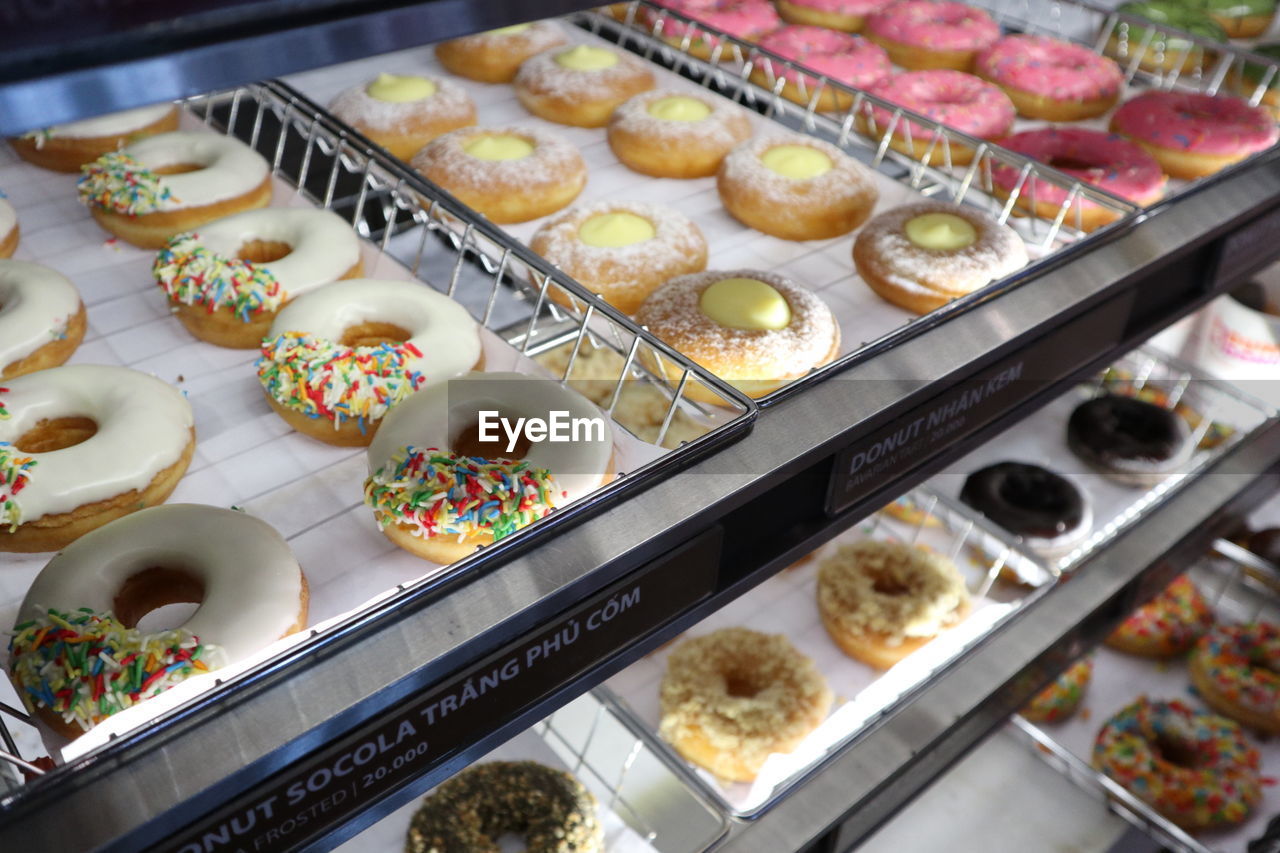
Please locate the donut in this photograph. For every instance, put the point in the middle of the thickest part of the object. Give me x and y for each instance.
(1044, 508)
(920, 34)
(151, 190)
(1105, 160)
(747, 20)
(880, 601)
(1133, 442)
(1060, 699)
(845, 58)
(239, 570)
(508, 174)
(67, 147)
(756, 330)
(338, 358)
(1051, 79)
(8, 229)
(429, 469)
(82, 445)
(795, 187)
(846, 15)
(1239, 19)
(547, 808)
(1195, 769)
(733, 697)
(42, 319)
(1119, 381)
(1167, 625)
(1193, 135)
(1245, 78)
(402, 114)
(671, 133)
(921, 256)
(1157, 50)
(623, 251)
(1234, 670)
(580, 85)
(226, 282)
(952, 98)
(495, 56)
(907, 510)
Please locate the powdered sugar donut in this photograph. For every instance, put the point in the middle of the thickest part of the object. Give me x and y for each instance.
(226, 281)
(744, 19)
(67, 147)
(339, 357)
(952, 98)
(846, 15)
(921, 256)
(1051, 79)
(923, 34)
(509, 174)
(757, 330)
(1193, 135)
(670, 133)
(150, 190)
(580, 85)
(82, 445)
(42, 319)
(621, 250)
(8, 229)
(1102, 159)
(495, 56)
(843, 57)
(795, 187)
(402, 114)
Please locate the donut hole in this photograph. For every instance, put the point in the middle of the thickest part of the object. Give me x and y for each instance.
(1065, 162)
(177, 168)
(373, 333)
(159, 595)
(56, 434)
(467, 442)
(1177, 752)
(886, 584)
(263, 251)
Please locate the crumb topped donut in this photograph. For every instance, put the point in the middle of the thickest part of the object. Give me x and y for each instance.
(796, 188)
(756, 330)
(151, 190)
(921, 256)
(671, 133)
(623, 251)
(67, 147)
(42, 319)
(495, 56)
(508, 174)
(8, 229)
(404, 113)
(880, 601)
(733, 697)
(580, 85)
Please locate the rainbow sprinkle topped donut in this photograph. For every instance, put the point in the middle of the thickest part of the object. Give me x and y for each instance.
(191, 274)
(15, 473)
(120, 184)
(1234, 667)
(1167, 625)
(1060, 699)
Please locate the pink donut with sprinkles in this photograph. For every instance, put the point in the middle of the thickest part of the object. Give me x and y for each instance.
(744, 19)
(952, 98)
(846, 15)
(1051, 79)
(923, 34)
(840, 56)
(1194, 135)
(1104, 160)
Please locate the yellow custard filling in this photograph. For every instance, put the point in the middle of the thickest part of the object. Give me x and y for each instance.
(498, 147)
(745, 303)
(941, 231)
(508, 31)
(614, 230)
(798, 162)
(586, 58)
(679, 108)
(396, 89)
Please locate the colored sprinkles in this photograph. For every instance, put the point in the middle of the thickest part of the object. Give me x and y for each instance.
(85, 666)
(435, 492)
(14, 476)
(118, 183)
(322, 379)
(192, 275)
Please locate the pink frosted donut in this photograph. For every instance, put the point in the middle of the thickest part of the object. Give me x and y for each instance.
(846, 15)
(1194, 135)
(843, 57)
(953, 98)
(744, 19)
(1051, 79)
(921, 34)
(1104, 160)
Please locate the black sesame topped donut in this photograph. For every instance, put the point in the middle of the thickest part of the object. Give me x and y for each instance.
(1132, 441)
(470, 812)
(1044, 508)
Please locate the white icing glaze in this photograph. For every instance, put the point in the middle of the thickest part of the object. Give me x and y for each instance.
(36, 304)
(324, 246)
(357, 107)
(423, 421)
(441, 328)
(143, 427)
(8, 219)
(231, 168)
(252, 582)
(111, 124)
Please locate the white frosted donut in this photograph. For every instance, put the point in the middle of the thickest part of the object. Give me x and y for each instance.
(8, 229)
(39, 308)
(310, 367)
(238, 569)
(112, 124)
(144, 428)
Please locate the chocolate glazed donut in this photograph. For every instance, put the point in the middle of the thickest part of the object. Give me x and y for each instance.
(1044, 508)
(1132, 441)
